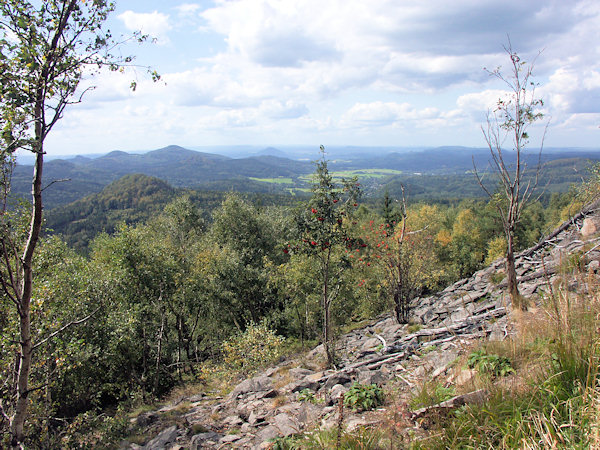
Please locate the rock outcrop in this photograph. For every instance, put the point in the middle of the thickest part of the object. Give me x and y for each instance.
(269, 405)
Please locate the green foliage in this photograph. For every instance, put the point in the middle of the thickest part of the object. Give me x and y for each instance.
(252, 349)
(306, 395)
(91, 430)
(490, 364)
(497, 277)
(573, 263)
(363, 397)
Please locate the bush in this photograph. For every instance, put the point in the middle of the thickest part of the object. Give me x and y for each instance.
(363, 397)
(306, 395)
(252, 349)
(490, 364)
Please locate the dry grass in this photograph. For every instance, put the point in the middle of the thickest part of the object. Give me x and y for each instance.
(553, 399)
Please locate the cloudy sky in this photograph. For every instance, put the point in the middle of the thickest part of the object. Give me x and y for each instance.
(337, 72)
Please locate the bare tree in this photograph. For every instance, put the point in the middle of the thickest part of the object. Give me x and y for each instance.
(510, 121)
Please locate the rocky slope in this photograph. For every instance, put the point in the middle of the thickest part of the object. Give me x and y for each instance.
(385, 353)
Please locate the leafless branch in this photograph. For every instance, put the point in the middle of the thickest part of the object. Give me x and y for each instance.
(62, 180)
(63, 328)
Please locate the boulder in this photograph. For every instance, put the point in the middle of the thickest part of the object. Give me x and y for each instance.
(161, 441)
(591, 226)
(205, 440)
(337, 378)
(299, 372)
(371, 377)
(300, 385)
(256, 384)
(285, 424)
(337, 391)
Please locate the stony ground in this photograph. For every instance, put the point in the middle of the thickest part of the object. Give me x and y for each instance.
(384, 353)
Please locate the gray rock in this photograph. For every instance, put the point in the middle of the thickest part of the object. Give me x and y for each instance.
(256, 384)
(233, 421)
(196, 398)
(337, 391)
(371, 343)
(299, 372)
(271, 393)
(371, 377)
(163, 439)
(229, 438)
(307, 413)
(205, 440)
(336, 378)
(459, 315)
(300, 385)
(256, 417)
(267, 433)
(285, 424)
(591, 226)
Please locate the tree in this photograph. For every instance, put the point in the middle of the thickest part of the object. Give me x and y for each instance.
(405, 252)
(324, 235)
(510, 120)
(245, 242)
(45, 50)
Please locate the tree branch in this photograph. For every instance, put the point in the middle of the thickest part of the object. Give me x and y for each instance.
(63, 328)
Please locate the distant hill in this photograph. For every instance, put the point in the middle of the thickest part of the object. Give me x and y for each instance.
(271, 151)
(134, 198)
(453, 160)
(178, 166)
(269, 172)
(131, 199)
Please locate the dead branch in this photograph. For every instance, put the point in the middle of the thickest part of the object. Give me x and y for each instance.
(476, 397)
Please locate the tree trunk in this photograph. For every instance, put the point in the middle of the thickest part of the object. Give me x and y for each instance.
(158, 352)
(327, 339)
(511, 276)
(24, 308)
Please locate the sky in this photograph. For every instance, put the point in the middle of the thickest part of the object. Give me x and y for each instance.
(396, 73)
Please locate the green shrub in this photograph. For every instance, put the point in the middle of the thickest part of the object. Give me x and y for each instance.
(363, 397)
(360, 439)
(490, 364)
(496, 278)
(255, 347)
(306, 395)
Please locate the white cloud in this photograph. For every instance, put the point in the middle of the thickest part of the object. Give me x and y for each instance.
(188, 8)
(276, 109)
(383, 68)
(379, 113)
(154, 24)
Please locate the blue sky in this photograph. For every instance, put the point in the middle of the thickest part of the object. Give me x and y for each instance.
(337, 72)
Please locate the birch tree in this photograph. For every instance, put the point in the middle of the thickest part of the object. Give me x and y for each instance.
(46, 48)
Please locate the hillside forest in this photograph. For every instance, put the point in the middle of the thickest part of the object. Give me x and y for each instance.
(176, 296)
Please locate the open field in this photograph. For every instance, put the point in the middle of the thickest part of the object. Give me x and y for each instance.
(278, 180)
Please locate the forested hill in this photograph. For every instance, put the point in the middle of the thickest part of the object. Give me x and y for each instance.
(132, 199)
(176, 165)
(445, 172)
